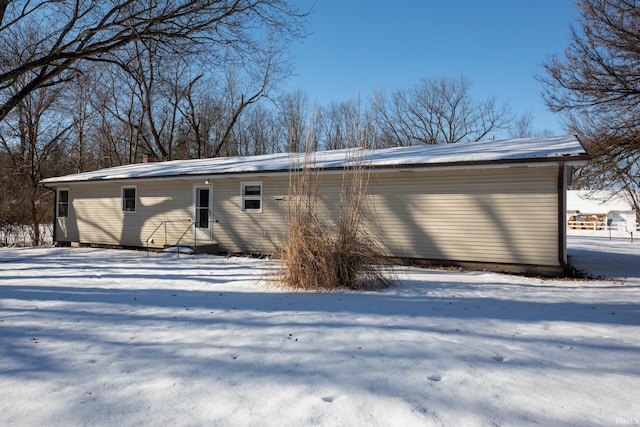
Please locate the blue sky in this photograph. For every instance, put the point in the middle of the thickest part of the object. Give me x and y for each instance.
(359, 46)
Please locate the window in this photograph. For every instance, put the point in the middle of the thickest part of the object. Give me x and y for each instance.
(251, 196)
(62, 210)
(129, 199)
(202, 207)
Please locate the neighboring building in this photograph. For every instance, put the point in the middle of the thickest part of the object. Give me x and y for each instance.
(498, 205)
(602, 213)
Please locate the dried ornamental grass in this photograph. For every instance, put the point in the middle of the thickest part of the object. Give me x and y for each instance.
(319, 255)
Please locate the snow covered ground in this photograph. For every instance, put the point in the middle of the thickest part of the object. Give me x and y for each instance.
(100, 337)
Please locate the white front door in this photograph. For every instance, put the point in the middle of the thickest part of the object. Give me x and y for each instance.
(203, 212)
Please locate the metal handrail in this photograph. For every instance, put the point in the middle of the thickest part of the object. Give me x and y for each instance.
(195, 238)
(164, 223)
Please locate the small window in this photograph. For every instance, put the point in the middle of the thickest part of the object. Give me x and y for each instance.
(129, 199)
(62, 210)
(251, 196)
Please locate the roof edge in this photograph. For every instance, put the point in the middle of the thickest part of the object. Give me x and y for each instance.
(570, 160)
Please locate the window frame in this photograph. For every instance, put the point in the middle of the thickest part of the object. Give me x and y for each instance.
(135, 199)
(244, 197)
(59, 203)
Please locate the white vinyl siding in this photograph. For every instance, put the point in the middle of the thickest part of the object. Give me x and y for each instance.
(495, 215)
(236, 231)
(98, 216)
(504, 215)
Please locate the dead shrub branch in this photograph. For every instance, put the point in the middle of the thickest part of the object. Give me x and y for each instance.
(324, 254)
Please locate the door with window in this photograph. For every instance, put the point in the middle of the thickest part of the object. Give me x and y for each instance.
(203, 212)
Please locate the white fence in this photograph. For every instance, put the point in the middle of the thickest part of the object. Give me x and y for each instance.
(617, 229)
(619, 224)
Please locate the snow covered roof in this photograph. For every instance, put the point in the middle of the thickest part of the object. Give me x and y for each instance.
(600, 201)
(488, 152)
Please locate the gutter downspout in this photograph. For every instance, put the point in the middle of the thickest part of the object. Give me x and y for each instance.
(54, 221)
(562, 223)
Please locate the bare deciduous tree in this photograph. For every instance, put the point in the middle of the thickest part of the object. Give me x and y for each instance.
(294, 113)
(260, 78)
(338, 123)
(440, 111)
(72, 31)
(522, 126)
(88, 83)
(258, 132)
(120, 131)
(596, 83)
(28, 138)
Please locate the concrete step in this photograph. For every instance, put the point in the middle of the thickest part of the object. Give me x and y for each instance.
(194, 248)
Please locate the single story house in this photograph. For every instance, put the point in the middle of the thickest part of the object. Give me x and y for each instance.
(495, 204)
